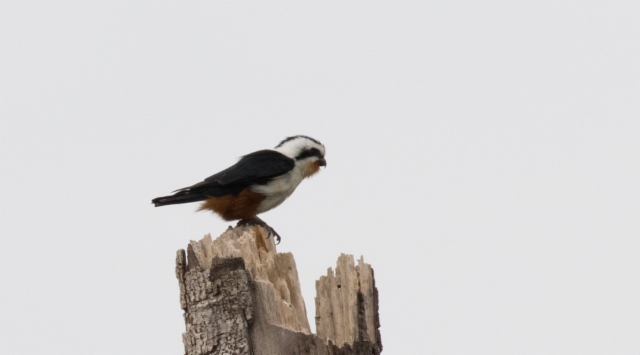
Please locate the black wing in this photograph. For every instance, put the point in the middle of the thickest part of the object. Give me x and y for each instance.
(262, 165)
(255, 168)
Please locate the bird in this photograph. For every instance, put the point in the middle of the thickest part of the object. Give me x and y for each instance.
(257, 183)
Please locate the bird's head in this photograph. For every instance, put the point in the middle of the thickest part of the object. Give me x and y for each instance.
(307, 152)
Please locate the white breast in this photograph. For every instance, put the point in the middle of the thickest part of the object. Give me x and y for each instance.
(279, 189)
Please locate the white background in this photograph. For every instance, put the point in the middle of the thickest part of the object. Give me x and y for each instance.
(484, 158)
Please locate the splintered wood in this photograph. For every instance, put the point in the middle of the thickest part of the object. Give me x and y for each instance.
(275, 274)
(242, 297)
(347, 303)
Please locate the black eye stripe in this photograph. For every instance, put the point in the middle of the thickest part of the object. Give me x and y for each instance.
(313, 152)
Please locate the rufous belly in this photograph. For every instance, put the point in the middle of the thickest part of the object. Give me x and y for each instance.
(241, 206)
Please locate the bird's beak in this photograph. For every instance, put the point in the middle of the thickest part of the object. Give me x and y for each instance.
(322, 162)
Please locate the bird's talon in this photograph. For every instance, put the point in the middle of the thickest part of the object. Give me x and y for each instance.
(275, 236)
(263, 224)
(271, 232)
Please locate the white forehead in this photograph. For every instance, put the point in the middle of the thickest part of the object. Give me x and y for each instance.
(292, 146)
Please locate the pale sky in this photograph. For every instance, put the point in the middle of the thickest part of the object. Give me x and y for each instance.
(483, 157)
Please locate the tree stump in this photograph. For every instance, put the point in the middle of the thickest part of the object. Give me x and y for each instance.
(240, 296)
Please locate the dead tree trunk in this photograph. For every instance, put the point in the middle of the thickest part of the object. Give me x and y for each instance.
(240, 296)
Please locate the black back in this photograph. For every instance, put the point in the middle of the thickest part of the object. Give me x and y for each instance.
(255, 168)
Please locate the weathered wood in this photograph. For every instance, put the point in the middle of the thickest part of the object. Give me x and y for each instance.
(347, 304)
(217, 305)
(242, 297)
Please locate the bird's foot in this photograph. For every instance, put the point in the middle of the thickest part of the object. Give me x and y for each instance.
(258, 222)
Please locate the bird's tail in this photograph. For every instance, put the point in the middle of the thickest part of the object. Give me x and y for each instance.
(180, 197)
